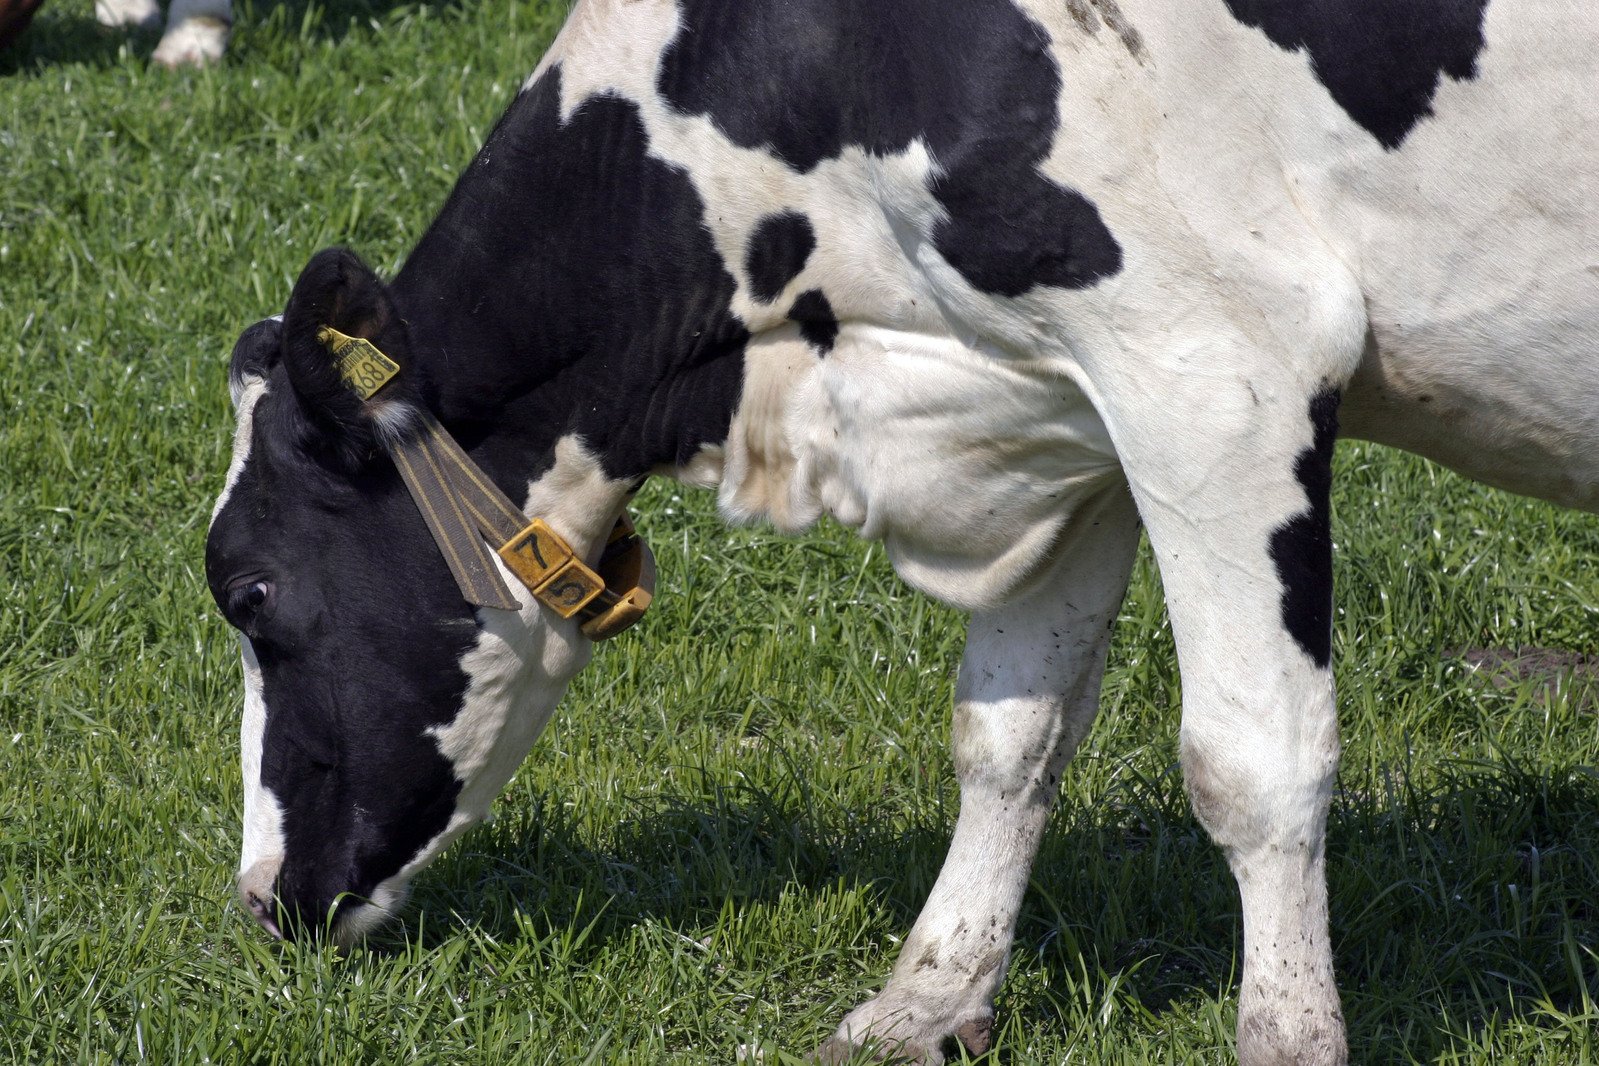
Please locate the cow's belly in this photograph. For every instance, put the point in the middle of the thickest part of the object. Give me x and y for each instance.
(1483, 350)
(965, 463)
(1476, 245)
(1526, 420)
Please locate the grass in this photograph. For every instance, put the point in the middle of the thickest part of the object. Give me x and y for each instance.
(741, 805)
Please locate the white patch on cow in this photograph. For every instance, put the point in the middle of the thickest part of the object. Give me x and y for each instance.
(967, 463)
(517, 672)
(197, 33)
(754, 469)
(246, 394)
(393, 420)
(261, 851)
(703, 470)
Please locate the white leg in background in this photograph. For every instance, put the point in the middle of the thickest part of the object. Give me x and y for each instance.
(137, 14)
(197, 33)
(1028, 690)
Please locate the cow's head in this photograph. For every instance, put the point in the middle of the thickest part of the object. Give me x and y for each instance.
(382, 713)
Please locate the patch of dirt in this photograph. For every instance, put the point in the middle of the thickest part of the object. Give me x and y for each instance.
(1551, 670)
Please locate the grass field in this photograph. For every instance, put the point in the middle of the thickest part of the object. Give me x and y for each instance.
(741, 804)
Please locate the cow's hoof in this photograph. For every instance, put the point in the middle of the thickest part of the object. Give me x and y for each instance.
(877, 1032)
(195, 42)
(1264, 1041)
(128, 14)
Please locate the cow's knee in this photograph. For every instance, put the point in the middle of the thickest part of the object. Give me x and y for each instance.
(1270, 822)
(1257, 784)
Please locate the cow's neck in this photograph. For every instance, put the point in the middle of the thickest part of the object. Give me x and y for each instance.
(568, 304)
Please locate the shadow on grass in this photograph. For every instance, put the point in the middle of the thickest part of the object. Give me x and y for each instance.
(1470, 903)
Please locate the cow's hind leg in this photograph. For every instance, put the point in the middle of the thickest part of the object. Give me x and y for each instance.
(1234, 495)
(1028, 689)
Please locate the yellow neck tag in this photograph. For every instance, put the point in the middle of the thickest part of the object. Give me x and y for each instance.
(544, 562)
(363, 367)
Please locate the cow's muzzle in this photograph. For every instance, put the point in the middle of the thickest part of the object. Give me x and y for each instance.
(257, 891)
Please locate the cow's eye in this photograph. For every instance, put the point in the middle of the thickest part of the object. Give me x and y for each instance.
(246, 600)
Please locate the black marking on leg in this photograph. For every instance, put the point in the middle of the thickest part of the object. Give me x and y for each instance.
(777, 253)
(1380, 60)
(1302, 546)
(816, 322)
(975, 83)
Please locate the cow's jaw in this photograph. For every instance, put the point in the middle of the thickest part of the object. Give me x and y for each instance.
(517, 673)
(261, 853)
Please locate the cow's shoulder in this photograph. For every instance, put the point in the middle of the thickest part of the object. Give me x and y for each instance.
(975, 84)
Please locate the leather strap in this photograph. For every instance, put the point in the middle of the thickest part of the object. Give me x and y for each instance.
(462, 507)
(453, 529)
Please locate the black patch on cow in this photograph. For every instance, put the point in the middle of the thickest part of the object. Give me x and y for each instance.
(570, 285)
(777, 253)
(1302, 546)
(1381, 60)
(816, 322)
(974, 81)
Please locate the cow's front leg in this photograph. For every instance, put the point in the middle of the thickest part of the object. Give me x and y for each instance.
(1236, 505)
(1028, 689)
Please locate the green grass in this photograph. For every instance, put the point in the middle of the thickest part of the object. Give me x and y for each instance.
(741, 805)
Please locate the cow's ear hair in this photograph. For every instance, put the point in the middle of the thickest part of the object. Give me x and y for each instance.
(254, 354)
(336, 290)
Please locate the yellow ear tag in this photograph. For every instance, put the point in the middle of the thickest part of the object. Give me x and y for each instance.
(363, 367)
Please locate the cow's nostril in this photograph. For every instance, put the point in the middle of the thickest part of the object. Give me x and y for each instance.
(261, 908)
(257, 891)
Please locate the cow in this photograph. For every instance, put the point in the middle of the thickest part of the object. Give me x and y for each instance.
(196, 32)
(996, 282)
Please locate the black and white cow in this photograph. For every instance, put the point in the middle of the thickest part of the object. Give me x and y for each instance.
(990, 282)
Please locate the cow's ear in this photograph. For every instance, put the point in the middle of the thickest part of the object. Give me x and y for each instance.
(254, 354)
(336, 291)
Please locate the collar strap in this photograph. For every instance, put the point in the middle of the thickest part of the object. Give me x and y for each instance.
(462, 507)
